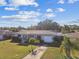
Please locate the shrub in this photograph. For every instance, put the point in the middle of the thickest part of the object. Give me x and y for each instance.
(57, 40)
(16, 39)
(33, 40)
(41, 41)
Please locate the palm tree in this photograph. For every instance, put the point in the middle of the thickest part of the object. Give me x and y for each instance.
(67, 47)
(31, 41)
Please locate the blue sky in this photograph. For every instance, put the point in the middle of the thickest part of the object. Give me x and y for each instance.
(25, 13)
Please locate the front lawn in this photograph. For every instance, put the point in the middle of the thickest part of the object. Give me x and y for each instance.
(52, 53)
(10, 50)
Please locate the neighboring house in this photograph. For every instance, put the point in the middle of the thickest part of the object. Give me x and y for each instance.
(46, 35)
(73, 36)
(4, 34)
(1, 36)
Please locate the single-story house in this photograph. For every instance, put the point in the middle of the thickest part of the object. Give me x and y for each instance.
(1, 36)
(4, 34)
(46, 35)
(73, 36)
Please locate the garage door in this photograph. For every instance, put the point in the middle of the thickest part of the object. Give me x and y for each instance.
(47, 39)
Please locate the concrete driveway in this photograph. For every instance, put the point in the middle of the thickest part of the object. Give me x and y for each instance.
(39, 52)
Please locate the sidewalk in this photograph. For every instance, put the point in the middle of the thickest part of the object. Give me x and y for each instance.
(39, 53)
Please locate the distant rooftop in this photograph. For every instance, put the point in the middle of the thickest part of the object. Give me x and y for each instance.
(5, 32)
(73, 35)
(39, 32)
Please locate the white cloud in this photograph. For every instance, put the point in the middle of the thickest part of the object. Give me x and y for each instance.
(2, 2)
(24, 2)
(38, 9)
(49, 10)
(49, 15)
(23, 16)
(19, 2)
(28, 16)
(69, 1)
(72, 1)
(10, 8)
(61, 9)
(61, 2)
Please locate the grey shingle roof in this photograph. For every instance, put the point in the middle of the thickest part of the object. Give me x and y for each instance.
(2, 32)
(38, 32)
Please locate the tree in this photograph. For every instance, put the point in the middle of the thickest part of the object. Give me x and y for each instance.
(67, 46)
(33, 41)
(67, 28)
(46, 25)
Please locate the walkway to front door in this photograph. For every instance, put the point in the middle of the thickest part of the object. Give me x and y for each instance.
(38, 53)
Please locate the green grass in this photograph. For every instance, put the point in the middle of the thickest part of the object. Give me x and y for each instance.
(10, 50)
(52, 53)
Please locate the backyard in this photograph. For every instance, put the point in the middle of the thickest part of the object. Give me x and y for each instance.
(10, 50)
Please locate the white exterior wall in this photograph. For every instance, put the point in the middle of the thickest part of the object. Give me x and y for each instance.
(47, 39)
(1, 37)
(23, 38)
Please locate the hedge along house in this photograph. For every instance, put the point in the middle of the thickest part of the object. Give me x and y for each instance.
(46, 35)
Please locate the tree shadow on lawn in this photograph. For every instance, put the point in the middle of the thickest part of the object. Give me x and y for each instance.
(67, 57)
(23, 44)
(53, 45)
(76, 57)
(26, 44)
(71, 57)
(5, 39)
